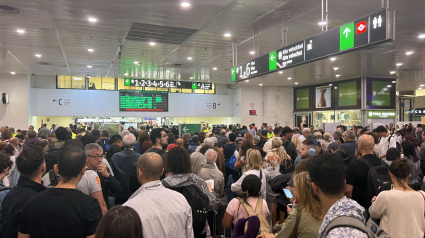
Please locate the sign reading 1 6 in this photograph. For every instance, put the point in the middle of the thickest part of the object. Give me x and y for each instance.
(248, 69)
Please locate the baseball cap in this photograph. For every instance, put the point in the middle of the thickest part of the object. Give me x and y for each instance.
(287, 129)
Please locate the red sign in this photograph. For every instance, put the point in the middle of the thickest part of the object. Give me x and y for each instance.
(252, 112)
(361, 27)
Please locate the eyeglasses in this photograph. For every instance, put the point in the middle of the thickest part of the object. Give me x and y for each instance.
(95, 156)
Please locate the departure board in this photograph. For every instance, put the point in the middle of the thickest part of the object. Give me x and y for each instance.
(167, 84)
(148, 101)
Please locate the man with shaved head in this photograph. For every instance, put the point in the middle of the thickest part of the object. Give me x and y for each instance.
(157, 206)
(350, 144)
(357, 171)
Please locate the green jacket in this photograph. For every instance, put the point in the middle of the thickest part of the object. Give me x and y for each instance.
(307, 228)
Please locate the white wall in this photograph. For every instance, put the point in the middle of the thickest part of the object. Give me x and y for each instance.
(279, 105)
(106, 103)
(44, 81)
(252, 99)
(15, 114)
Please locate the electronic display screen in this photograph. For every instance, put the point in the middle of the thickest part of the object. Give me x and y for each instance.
(167, 84)
(149, 101)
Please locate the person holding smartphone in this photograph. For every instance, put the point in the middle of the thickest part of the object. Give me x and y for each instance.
(308, 224)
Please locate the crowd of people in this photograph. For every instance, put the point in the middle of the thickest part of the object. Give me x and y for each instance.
(266, 181)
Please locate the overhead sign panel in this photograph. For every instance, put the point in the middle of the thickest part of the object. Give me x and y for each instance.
(360, 33)
(166, 84)
(134, 100)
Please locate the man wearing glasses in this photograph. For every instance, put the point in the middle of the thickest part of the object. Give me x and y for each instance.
(306, 132)
(94, 154)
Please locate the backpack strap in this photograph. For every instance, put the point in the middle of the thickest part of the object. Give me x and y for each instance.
(345, 221)
(297, 223)
(247, 207)
(366, 162)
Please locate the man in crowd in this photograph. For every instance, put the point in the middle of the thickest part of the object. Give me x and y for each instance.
(270, 132)
(333, 146)
(306, 132)
(327, 175)
(304, 152)
(210, 171)
(222, 139)
(311, 129)
(52, 154)
(229, 150)
(290, 147)
(268, 146)
(94, 153)
(157, 206)
(195, 144)
(31, 166)
(386, 141)
(44, 131)
(159, 140)
(350, 144)
(32, 140)
(252, 130)
(296, 132)
(171, 141)
(357, 172)
(63, 209)
(104, 139)
(31, 128)
(121, 164)
(53, 128)
(14, 141)
(263, 137)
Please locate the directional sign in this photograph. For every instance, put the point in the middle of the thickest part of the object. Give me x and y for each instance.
(189, 128)
(360, 33)
(346, 37)
(166, 84)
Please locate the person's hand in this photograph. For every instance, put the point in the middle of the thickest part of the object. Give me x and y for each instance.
(288, 209)
(102, 169)
(209, 187)
(374, 199)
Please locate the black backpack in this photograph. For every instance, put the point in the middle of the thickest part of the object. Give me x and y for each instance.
(198, 201)
(378, 178)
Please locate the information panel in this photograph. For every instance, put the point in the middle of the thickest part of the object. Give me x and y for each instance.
(380, 93)
(135, 100)
(166, 84)
(360, 33)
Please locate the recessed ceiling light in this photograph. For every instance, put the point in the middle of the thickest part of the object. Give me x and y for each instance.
(409, 52)
(152, 43)
(421, 36)
(280, 72)
(337, 75)
(90, 50)
(393, 82)
(399, 64)
(333, 59)
(227, 35)
(336, 68)
(92, 19)
(389, 86)
(125, 74)
(336, 88)
(252, 52)
(37, 55)
(296, 83)
(20, 31)
(215, 68)
(385, 89)
(75, 78)
(167, 71)
(421, 85)
(185, 4)
(261, 84)
(136, 62)
(289, 78)
(322, 23)
(12, 72)
(419, 88)
(247, 80)
(189, 58)
(392, 72)
(89, 66)
(191, 78)
(330, 84)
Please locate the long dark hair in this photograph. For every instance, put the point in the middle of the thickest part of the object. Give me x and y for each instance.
(400, 168)
(246, 145)
(409, 150)
(251, 187)
(120, 222)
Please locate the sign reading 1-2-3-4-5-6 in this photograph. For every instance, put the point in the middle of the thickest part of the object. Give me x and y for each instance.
(360, 33)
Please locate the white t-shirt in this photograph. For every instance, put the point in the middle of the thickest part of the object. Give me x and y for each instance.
(89, 183)
(385, 145)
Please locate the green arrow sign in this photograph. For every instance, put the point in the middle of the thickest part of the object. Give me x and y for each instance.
(272, 60)
(233, 74)
(194, 86)
(346, 36)
(127, 82)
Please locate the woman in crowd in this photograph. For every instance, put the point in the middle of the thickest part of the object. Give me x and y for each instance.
(311, 212)
(377, 147)
(409, 153)
(10, 151)
(248, 136)
(198, 161)
(277, 155)
(401, 209)
(415, 143)
(120, 222)
(251, 187)
(326, 141)
(254, 165)
(5, 165)
(6, 134)
(392, 154)
(143, 137)
(297, 142)
(241, 159)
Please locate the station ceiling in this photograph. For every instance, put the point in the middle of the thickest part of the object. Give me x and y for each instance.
(190, 42)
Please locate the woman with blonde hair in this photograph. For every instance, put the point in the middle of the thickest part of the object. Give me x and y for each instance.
(308, 224)
(254, 165)
(248, 136)
(277, 155)
(297, 143)
(327, 141)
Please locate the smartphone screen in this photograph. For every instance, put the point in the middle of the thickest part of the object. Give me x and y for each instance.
(287, 193)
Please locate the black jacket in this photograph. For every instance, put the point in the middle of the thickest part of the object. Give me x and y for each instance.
(14, 202)
(109, 184)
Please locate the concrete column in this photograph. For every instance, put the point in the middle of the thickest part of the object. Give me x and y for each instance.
(278, 105)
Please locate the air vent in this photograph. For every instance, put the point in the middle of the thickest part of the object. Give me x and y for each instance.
(9, 10)
(159, 34)
(177, 65)
(43, 63)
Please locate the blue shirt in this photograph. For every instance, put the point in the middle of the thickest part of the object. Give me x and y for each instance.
(297, 160)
